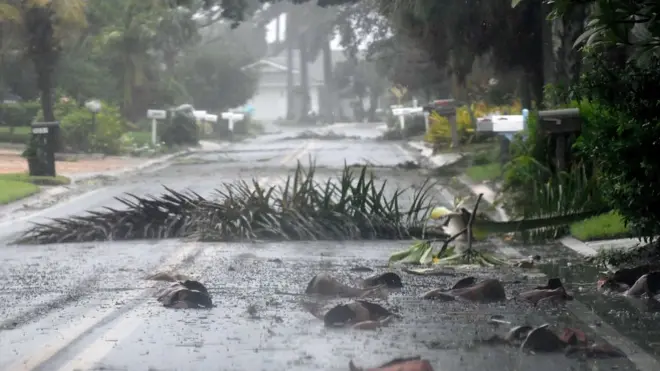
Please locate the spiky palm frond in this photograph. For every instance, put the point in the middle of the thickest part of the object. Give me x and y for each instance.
(349, 207)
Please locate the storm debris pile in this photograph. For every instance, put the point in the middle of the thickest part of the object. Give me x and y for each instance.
(399, 364)
(350, 207)
(542, 339)
(359, 314)
(328, 135)
(185, 294)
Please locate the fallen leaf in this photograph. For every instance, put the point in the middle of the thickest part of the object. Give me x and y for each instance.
(542, 339)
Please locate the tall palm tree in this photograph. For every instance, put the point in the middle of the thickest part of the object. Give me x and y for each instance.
(43, 25)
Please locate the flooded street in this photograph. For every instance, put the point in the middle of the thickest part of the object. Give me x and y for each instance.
(87, 306)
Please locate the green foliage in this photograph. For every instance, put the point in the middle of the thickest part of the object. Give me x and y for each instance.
(180, 128)
(481, 173)
(79, 133)
(214, 79)
(415, 125)
(18, 114)
(536, 190)
(18, 135)
(11, 190)
(621, 138)
(607, 226)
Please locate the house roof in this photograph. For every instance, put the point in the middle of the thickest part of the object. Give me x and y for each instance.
(314, 68)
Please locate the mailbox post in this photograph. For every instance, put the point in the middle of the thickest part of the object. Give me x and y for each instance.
(564, 125)
(44, 144)
(155, 115)
(505, 126)
(231, 118)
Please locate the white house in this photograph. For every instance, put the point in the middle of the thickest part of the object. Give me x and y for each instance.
(270, 101)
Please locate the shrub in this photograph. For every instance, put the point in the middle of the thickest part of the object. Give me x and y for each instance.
(180, 128)
(622, 138)
(18, 114)
(82, 134)
(415, 125)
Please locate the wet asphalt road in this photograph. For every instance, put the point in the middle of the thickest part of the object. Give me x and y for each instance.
(86, 307)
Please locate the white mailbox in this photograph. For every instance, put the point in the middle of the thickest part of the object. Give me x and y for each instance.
(402, 111)
(506, 125)
(155, 114)
(200, 115)
(234, 116)
(211, 118)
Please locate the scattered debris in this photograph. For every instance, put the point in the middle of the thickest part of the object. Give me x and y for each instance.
(636, 282)
(542, 339)
(328, 135)
(498, 320)
(436, 271)
(408, 165)
(552, 292)
(185, 294)
(361, 269)
(326, 285)
(518, 333)
(167, 276)
(390, 280)
(595, 351)
(360, 314)
(399, 364)
(486, 291)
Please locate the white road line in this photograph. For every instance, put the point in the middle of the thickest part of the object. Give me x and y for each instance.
(95, 317)
(100, 348)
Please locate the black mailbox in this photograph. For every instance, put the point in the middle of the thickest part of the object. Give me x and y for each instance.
(44, 143)
(561, 121)
(444, 107)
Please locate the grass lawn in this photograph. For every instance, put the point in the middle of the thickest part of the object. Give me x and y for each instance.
(482, 173)
(11, 190)
(35, 180)
(602, 227)
(21, 134)
(15, 186)
(140, 138)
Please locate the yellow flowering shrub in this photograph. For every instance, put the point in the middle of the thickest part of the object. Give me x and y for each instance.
(440, 131)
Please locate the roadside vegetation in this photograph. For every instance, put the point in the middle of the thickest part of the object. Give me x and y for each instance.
(11, 190)
(16, 186)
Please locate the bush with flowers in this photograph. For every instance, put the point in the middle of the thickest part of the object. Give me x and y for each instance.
(440, 131)
(80, 133)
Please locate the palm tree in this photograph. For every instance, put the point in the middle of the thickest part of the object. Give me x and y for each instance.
(43, 25)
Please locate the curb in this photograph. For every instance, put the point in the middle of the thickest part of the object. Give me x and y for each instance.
(51, 192)
(642, 360)
(436, 161)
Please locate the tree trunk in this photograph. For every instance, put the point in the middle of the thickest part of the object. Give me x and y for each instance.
(304, 77)
(373, 105)
(44, 53)
(288, 39)
(329, 104)
(567, 59)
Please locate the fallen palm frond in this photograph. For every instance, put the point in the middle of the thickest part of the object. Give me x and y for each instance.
(352, 206)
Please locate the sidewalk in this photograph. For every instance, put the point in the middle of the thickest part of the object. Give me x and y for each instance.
(12, 162)
(88, 168)
(437, 160)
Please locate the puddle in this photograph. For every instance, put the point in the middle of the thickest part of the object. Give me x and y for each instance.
(634, 318)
